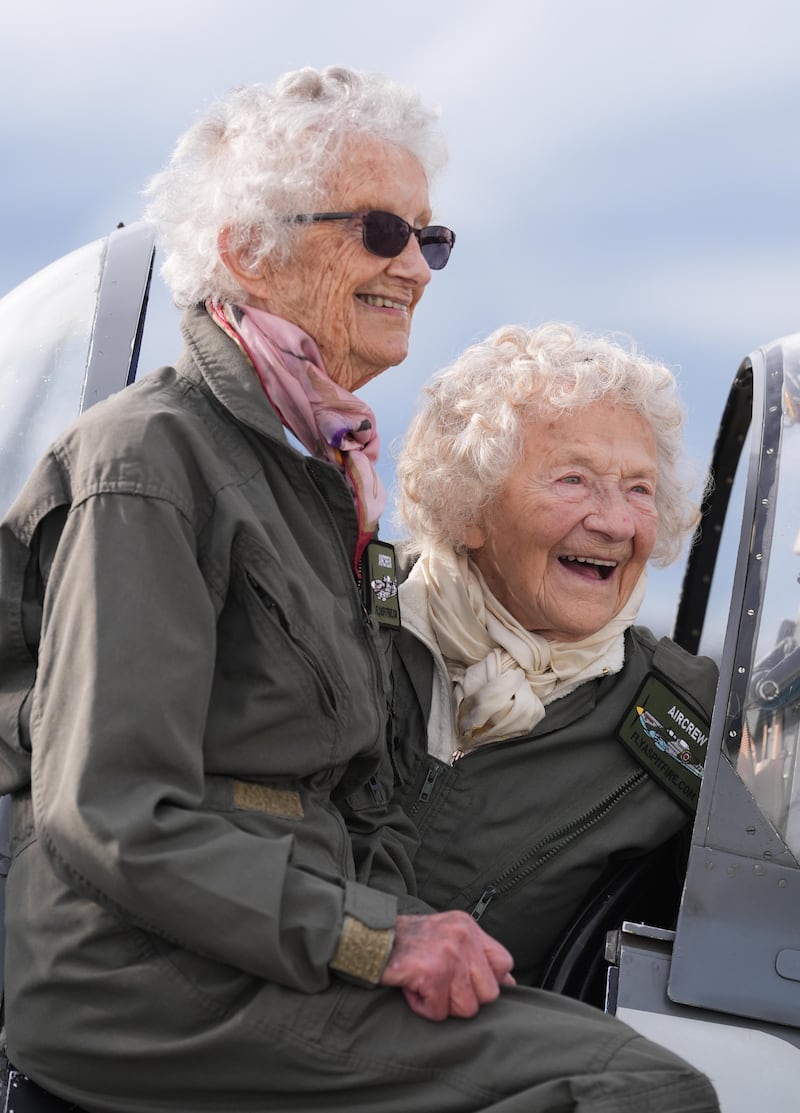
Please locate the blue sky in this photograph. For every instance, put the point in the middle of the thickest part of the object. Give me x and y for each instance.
(631, 167)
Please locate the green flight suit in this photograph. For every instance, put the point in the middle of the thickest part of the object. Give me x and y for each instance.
(207, 861)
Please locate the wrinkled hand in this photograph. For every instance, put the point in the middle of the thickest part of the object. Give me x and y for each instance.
(446, 965)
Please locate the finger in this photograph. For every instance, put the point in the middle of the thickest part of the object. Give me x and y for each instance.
(498, 958)
(485, 986)
(430, 1006)
(464, 1000)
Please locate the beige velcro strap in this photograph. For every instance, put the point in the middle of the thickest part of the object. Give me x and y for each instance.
(362, 952)
(283, 802)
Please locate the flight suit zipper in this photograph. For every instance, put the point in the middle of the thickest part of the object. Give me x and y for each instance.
(315, 472)
(547, 848)
(428, 785)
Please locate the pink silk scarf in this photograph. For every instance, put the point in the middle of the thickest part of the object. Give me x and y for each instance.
(328, 420)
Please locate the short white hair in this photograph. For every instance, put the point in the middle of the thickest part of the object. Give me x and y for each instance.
(264, 153)
(468, 437)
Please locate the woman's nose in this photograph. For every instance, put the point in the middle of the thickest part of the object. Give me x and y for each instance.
(410, 264)
(611, 515)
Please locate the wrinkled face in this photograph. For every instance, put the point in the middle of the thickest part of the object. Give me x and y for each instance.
(565, 543)
(357, 306)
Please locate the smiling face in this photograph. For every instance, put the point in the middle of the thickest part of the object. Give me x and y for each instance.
(564, 545)
(357, 306)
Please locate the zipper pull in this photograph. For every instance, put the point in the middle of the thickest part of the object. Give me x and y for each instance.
(427, 788)
(376, 788)
(485, 899)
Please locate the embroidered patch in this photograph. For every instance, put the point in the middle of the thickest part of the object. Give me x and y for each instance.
(283, 802)
(669, 738)
(379, 583)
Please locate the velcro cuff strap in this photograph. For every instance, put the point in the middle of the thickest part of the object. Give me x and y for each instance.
(367, 934)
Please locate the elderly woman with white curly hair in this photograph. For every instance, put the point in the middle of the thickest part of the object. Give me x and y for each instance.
(541, 737)
(211, 903)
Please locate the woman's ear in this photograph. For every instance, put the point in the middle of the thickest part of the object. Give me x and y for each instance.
(252, 280)
(474, 537)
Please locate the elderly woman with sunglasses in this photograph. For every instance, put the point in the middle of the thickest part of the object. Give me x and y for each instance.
(212, 905)
(542, 739)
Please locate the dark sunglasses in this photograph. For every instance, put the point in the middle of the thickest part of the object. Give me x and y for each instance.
(386, 235)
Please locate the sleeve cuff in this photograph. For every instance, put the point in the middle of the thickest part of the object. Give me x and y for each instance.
(367, 935)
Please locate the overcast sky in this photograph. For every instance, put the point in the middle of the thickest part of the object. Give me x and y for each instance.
(630, 166)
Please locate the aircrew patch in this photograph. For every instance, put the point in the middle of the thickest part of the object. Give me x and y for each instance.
(669, 738)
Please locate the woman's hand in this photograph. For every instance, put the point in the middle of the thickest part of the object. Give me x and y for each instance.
(446, 965)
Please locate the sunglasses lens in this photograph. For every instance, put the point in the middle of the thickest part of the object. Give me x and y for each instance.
(385, 234)
(436, 243)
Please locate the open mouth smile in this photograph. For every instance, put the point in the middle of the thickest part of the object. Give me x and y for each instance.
(590, 567)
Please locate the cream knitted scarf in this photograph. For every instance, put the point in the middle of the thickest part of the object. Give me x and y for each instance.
(502, 674)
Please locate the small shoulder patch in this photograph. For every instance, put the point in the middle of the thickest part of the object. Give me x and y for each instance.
(379, 583)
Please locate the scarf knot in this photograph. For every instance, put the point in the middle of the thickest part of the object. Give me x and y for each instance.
(328, 420)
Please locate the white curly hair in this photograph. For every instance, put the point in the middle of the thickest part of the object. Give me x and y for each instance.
(468, 436)
(264, 153)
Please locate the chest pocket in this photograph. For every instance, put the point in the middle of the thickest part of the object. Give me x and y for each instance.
(279, 690)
